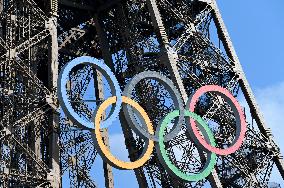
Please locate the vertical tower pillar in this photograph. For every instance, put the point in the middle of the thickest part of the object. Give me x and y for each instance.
(140, 176)
(109, 181)
(54, 175)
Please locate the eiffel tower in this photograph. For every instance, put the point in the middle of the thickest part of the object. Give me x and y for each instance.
(177, 38)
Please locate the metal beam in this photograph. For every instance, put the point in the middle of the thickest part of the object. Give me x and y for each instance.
(54, 160)
(99, 93)
(140, 176)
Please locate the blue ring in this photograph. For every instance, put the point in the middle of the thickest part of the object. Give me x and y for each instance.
(62, 93)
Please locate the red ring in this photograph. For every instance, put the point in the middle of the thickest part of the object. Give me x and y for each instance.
(241, 125)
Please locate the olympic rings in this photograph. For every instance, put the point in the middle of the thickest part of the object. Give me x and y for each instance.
(165, 160)
(237, 110)
(62, 93)
(105, 153)
(203, 139)
(129, 114)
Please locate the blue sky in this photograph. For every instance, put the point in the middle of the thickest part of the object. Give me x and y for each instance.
(256, 28)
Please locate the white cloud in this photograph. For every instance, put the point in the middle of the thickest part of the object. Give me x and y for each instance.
(271, 102)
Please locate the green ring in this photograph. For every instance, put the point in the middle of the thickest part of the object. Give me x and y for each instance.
(162, 153)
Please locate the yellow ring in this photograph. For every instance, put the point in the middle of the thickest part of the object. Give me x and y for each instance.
(105, 150)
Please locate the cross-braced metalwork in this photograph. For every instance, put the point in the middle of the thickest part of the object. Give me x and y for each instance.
(184, 40)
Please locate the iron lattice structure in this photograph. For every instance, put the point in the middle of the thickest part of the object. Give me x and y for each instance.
(185, 40)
